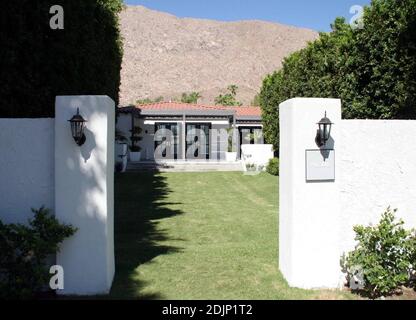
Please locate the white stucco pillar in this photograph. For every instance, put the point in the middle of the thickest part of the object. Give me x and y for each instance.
(309, 210)
(84, 195)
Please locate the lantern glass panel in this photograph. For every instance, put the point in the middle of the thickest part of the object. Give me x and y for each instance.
(328, 132)
(321, 132)
(325, 132)
(73, 129)
(80, 129)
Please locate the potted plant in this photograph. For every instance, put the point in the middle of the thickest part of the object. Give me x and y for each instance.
(135, 149)
(257, 137)
(251, 169)
(231, 155)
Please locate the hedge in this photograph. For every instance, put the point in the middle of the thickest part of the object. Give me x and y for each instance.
(38, 63)
(373, 69)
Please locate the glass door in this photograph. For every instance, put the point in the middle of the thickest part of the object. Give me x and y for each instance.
(166, 141)
(198, 141)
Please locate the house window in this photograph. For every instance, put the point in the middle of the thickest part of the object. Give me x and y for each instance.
(251, 135)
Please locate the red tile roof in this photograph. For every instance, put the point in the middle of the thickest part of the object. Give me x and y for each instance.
(240, 111)
(177, 106)
(248, 111)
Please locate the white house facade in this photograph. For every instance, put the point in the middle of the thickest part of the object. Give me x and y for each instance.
(191, 132)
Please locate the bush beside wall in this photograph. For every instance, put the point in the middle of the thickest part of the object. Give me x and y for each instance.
(383, 259)
(273, 167)
(24, 250)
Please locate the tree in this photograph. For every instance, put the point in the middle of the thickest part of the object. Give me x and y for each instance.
(256, 101)
(372, 70)
(270, 98)
(38, 62)
(233, 89)
(382, 73)
(228, 99)
(192, 97)
(149, 101)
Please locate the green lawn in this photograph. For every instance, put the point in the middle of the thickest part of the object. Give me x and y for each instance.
(200, 236)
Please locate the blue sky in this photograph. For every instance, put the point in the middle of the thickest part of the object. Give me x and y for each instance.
(313, 14)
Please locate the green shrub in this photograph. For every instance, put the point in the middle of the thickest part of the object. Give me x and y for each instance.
(192, 97)
(230, 98)
(273, 167)
(24, 250)
(150, 101)
(383, 257)
(413, 260)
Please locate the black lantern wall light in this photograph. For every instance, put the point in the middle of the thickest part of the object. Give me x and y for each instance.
(77, 128)
(324, 131)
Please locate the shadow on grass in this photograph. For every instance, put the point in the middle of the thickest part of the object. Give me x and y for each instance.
(139, 204)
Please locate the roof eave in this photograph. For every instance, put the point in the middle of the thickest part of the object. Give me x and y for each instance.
(249, 118)
(200, 113)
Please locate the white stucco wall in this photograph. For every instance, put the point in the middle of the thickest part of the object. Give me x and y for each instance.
(84, 181)
(26, 167)
(258, 154)
(40, 165)
(375, 167)
(124, 123)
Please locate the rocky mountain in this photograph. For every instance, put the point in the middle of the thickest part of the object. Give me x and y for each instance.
(166, 56)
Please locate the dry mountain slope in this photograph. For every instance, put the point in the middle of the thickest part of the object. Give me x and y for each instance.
(165, 55)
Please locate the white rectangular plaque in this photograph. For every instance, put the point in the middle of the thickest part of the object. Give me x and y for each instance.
(320, 165)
